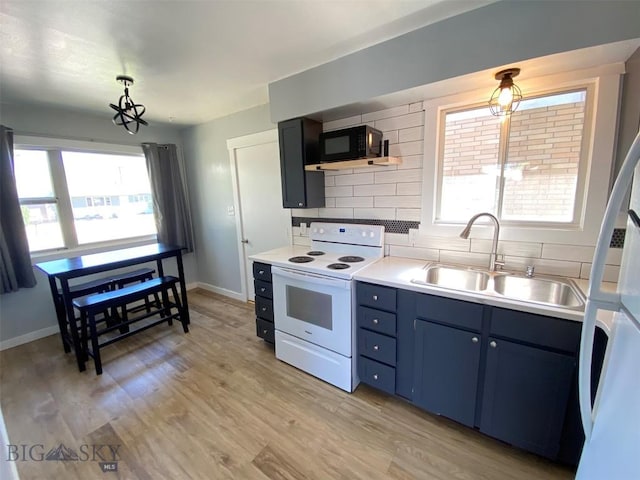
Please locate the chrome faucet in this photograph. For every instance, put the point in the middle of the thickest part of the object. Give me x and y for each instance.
(493, 261)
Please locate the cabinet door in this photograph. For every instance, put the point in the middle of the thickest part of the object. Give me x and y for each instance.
(525, 397)
(300, 189)
(446, 371)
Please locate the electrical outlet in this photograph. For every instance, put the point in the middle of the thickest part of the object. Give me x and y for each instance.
(413, 236)
(303, 228)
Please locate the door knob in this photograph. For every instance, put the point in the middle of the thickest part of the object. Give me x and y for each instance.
(493, 344)
(474, 339)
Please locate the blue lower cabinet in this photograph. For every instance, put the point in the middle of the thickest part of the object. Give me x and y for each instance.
(376, 374)
(446, 369)
(526, 393)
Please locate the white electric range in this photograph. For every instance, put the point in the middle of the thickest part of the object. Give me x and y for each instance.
(312, 299)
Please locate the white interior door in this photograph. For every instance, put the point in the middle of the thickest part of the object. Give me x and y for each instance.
(265, 224)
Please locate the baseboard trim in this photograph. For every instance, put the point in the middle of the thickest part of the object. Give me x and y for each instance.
(222, 291)
(28, 337)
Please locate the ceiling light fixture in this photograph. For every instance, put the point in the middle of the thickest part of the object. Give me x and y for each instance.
(128, 114)
(506, 98)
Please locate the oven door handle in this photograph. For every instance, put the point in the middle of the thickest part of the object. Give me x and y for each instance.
(311, 278)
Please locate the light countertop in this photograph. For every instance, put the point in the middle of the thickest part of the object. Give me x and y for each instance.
(398, 271)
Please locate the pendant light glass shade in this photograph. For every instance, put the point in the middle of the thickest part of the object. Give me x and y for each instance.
(128, 113)
(506, 98)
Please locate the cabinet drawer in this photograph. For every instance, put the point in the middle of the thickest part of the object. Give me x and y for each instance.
(262, 271)
(376, 296)
(377, 320)
(377, 374)
(456, 313)
(264, 308)
(263, 289)
(376, 346)
(536, 329)
(265, 330)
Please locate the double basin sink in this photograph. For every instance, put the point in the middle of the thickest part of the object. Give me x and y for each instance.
(541, 290)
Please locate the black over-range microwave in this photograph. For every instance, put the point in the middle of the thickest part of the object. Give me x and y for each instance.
(350, 143)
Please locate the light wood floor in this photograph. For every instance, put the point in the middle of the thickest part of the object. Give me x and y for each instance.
(216, 404)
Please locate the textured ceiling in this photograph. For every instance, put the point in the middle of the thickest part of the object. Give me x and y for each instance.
(192, 61)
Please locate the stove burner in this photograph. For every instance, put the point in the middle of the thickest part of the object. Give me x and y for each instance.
(338, 266)
(301, 259)
(315, 253)
(351, 259)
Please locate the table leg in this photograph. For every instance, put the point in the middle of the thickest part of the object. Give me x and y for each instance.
(183, 287)
(160, 269)
(73, 327)
(60, 314)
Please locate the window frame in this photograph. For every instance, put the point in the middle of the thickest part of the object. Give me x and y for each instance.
(54, 149)
(597, 158)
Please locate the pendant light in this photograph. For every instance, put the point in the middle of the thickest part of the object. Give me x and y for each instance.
(506, 98)
(128, 113)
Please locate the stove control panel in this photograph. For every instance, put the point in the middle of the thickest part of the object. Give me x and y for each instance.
(354, 234)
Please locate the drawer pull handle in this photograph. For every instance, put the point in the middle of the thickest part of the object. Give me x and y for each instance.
(265, 331)
(493, 344)
(261, 272)
(375, 376)
(264, 309)
(262, 289)
(474, 339)
(376, 348)
(375, 298)
(299, 204)
(375, 321)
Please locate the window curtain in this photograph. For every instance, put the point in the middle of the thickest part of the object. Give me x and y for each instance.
(170, 201)
(15, 261)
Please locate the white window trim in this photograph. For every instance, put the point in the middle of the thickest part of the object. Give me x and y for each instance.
(36, 142)
(599, 155)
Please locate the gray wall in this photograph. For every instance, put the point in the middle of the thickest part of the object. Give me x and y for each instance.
(498, 34)
(31, 309)
(211, 190)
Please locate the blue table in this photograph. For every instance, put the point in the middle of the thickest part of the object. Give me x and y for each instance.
(66, 269)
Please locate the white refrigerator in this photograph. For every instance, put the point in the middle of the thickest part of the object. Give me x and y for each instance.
(612, 425)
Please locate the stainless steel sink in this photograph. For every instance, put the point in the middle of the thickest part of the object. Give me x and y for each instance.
(539, 290)
(556, 292)
(457, 278)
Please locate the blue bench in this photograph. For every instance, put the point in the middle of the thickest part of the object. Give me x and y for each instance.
(90, 306)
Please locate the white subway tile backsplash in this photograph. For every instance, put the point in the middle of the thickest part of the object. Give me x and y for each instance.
(329, 202)
(543, 266)
(401, 239)
(410, 188)
(389, 112)
(443, 243)
(355, 179)
(362, 202)
(342, 123)
(614, 256)
(406, 148)
(411, 161)
(335, 212)
(304, 212)
(415, 107)
(567, 252)
(329, 180)
(375, 213)
(399, 176)
(375, 189)
(464, 258)
(341, 191)
(396, 123)
(391, 135)
(516, 249)
(611, 272)
(304, 241)
(412, 134)
(408, 214)
(413, 252)
(406, 201)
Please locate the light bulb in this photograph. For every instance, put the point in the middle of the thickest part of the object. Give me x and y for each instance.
(506, 97)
